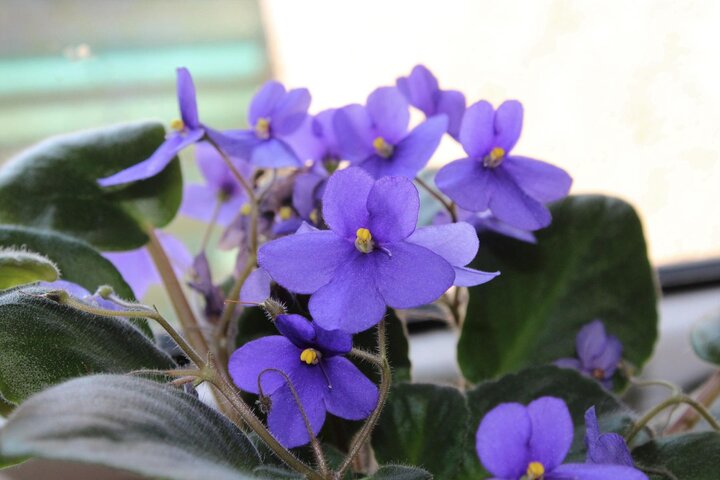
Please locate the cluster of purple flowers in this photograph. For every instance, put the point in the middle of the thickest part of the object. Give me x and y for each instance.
(341, 226)
(518, 442)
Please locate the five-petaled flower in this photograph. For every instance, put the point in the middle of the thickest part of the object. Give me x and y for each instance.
(310, 359)
(274, 115)
(514, 188)
(186, 131)
(599, 353)
(423, 92)
(530, 442)
(375, 137)
(372, 256)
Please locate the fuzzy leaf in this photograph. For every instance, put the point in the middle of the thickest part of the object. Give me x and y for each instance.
(590, 263)
(20, 267)
(53, 185)
(693, 456)
(131, 424)
(43, 343)
(423, 425)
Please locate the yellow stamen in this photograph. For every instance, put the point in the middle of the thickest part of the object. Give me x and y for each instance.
(598, 373)
(285, 213)
(364, 241)
(245, 209)
(535, 471)
(315, 216)
(494, 158)
(310, 356)
(262, 128)
(177, 125)
(382, 148)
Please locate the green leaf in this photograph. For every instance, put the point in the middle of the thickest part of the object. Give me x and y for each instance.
(400, 472)
(424, 425)
(693, 456)
(580, 393)
(78, 262)
(53, 185)
(20, 267)
(590, 263)
(43, 343)
(705, 338)
(132, 424)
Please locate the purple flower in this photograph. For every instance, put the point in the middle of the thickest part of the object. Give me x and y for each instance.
(222, 190)
(312, 360)
(514, 188)
(274, 115)
(138, 269)
(366, 260)
(203, 284)
(606, 448)
(517, 442)
(256, 288)
(376, 138)
(187, 130)
(598, 353)
(422, 91)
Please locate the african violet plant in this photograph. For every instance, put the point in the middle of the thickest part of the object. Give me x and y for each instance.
(301, 356)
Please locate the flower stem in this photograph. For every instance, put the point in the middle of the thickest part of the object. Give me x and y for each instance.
(242, 408)
(182, 308)
(138, 313)
(708, 393)
(384, 389)
(450, 207)
(314, 443)
(669, 402)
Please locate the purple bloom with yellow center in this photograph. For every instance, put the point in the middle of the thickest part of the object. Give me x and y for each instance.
(186, 131)
(222, 196)
(423, 92)
(599, 353)
(604, 448)
(375, 137)
(515, 189)
(311, 360)
(372, 256)
(274, 115)
(517, 442)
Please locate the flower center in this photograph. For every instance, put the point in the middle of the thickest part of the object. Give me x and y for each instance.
(383, 148)
(364, 241)
(535, 471)
(285, 213)
(245, 209)
(310, 356)
(315, 216)
(262, 128)
(494, 158)
(177, 125)
(598, 373)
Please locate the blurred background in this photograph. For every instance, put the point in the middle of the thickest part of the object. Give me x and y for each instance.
(621, 94)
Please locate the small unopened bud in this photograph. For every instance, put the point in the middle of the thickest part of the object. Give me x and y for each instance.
(105, 291)
(273, 308)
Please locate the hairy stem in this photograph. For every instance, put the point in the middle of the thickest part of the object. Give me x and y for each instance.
(384, 389)
(314, 443)
(708, 393)
(182, 308)
(669, 402)
(244, 411)
(139, 313)
(449, 206)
